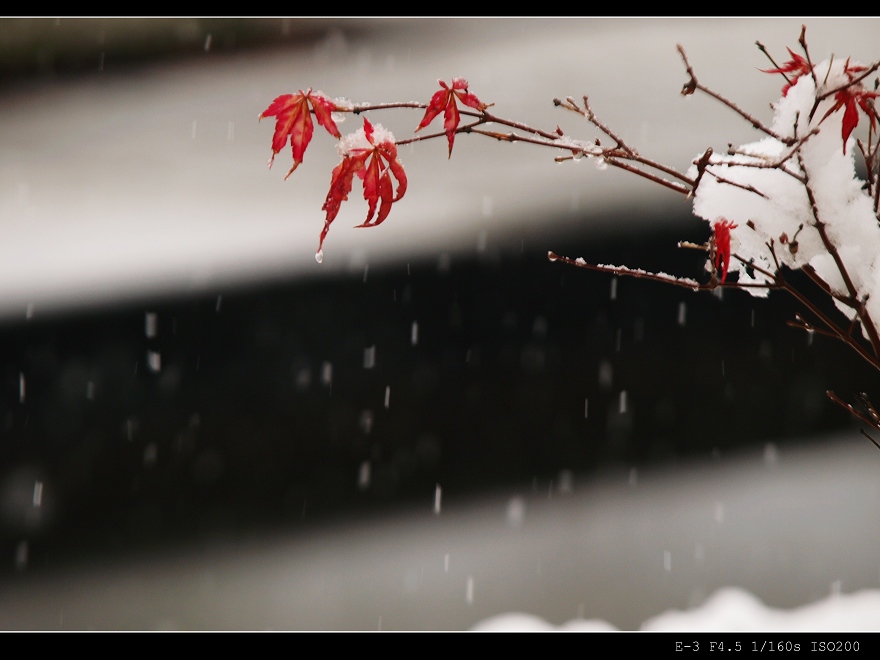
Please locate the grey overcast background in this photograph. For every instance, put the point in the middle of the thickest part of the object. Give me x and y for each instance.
(133, 175)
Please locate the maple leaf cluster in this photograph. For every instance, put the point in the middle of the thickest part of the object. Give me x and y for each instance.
(370, 153)
(753, 198)
(852, 97)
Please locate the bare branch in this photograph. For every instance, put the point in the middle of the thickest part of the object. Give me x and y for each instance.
(628, 153)
(685, 282)
(802, 40)
(691, 85)
(749, 188)
(855, 413)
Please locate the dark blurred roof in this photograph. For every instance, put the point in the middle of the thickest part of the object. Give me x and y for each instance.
(45, 47)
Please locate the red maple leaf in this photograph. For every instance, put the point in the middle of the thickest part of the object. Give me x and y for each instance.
(722, 245)
(852, 98)
(445, 101)
(294, 122)
(797, 65)
(372, 155)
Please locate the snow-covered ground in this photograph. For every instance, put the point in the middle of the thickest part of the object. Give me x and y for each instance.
(114, 186)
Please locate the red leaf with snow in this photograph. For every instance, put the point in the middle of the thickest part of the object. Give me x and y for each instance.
(293, 121)
(375, 162)
(446, 101)
(722, 246)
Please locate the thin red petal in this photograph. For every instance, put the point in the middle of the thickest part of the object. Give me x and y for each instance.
(839, 102)
(435, 107)
(796, 64)
(722, 246)
(324, 109)
(471, 101)
(371, 188)
(397, 170)
(450, 123)
(850, 120)
(386, 194)
(340, 186)
(301, 130)
(276, 106)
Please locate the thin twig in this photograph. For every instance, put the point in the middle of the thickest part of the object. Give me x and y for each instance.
(855, 413)
(647, 175)
(802, 40)
(772, 61)
(747, 187)
(629, 272)
(870, 438)
(691, 85)
(801, 323)
(855, 81)
(684, 282)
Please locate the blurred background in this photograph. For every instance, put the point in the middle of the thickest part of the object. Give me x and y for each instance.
(204, 428)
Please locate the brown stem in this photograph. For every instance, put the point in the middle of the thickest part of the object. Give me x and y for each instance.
(870, 438)
(772, 61)
(855, 81)
(877, 194)
(593, 119)
(831, 92)
(701, 163)
(364, 107)
(628, 272)
(749, 187)
(432, 136)
(776, 165)
(802, 40)
(855, 413)
(801, 323)
(509, 137)
(761, 166)
(839, 332)
(492, 119)
(777, 282)
(486, 117)
(651, 177)
(822, 284)
(684, 282)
